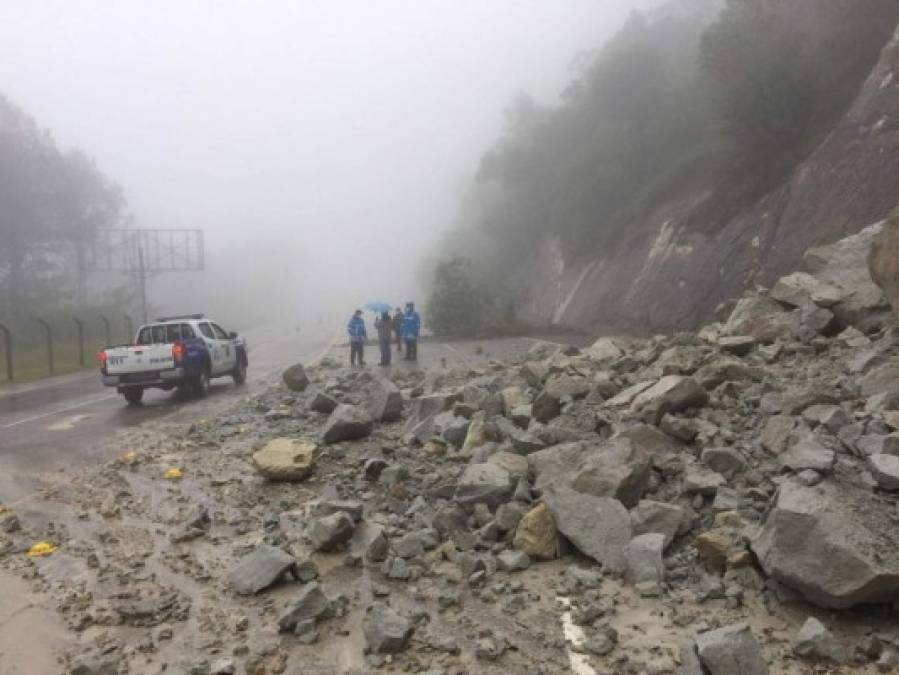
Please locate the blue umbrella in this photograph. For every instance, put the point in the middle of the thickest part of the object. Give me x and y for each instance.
(377, 306)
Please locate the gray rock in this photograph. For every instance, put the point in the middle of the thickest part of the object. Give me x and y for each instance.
(831, 417)
(801, 289)
(260, 569)
(224, 666)
(513, 561)
(808, 453)
(599, 527)
(726, 461)
(508, 516)
(830, 543)
(385, 630)
(323, 403)
(604, 351)
(327, 507)
(486, 482)
(295, 378)
(329, 532)
(310, 603)
(732, 650)
(420, 421)
(347, 423)
(740, 345)
(885, 469)
(700, 480)
(94, 663)
(643, 557)
(617, 468)
(545, 407)
(725, 370)
(521, 416)
(561, 385)
(671, 394)
(689, 659)
(775, 437)
(662, 518)
(455, 430)
(409, 545)
(761, 318)
(385, 402)
(534, 372)
(814, 641)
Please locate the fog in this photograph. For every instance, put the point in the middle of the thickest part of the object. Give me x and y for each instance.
(321, 146)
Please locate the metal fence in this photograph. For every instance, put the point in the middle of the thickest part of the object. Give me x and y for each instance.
(45, 346)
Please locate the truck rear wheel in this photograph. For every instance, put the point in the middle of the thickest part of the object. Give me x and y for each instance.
(201, 383)
(133, 395)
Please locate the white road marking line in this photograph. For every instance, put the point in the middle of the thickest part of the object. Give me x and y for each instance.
(68, 423)
(34, 418)
(574, 635)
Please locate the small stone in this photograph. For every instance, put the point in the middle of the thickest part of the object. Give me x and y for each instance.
(816, 642)
(513, 561)
(385, 630)
(329, 532)
(310, 603)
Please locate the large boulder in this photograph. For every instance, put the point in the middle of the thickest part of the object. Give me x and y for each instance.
(834, 543)
(565, 384)
(671, 394)
(845, 264)
(604, 351)
(288, 459)
(486, 483)
(883, 260)
(615, 468)
(385, 402)
(347, 423)
(295, 378)
(801, 289)
(423, 410)
(732, 650)
(669, 520)
(599, 527)
(762, 318)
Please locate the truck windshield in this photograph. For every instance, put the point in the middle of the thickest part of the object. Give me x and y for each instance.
(161, 334)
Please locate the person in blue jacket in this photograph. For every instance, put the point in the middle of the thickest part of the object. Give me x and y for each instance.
(356, 330)
(411, 331)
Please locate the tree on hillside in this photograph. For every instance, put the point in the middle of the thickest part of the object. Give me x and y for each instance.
(51, 206)
(458, 304)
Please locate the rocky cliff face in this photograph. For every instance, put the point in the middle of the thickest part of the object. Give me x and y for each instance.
(666, 276)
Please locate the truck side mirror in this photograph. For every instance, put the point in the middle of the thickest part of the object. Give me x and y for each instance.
(232, 335)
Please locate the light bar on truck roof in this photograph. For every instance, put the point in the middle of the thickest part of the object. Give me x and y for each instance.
(181, 317)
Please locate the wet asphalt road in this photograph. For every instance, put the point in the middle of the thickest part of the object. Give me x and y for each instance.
(57, 424)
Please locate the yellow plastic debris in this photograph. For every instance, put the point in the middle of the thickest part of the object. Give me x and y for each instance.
(174, 473)
(129, 456)
(41, 549)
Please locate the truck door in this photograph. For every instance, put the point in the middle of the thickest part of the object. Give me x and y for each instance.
(229, 358)
(214, 347)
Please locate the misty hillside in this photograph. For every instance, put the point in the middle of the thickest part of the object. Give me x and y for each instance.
(697, 153)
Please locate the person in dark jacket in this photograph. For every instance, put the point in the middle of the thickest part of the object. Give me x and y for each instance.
(384, 324)
(398, 328)
(356, 331)
(411, 330)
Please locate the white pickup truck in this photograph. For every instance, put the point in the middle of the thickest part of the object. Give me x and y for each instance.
(176, 351)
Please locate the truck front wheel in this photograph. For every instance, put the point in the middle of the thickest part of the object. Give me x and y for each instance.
(240, 371)
(133, 395)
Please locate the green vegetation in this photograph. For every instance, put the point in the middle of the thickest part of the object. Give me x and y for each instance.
(30, 360)
(701, 105)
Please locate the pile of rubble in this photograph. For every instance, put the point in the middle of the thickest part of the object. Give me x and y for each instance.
(695, 504)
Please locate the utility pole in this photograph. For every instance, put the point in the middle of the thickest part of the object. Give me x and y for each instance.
(142, 279)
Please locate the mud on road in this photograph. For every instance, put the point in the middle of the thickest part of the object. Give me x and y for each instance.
(143, 579)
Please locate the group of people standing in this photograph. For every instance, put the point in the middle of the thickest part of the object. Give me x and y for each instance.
(404, 325)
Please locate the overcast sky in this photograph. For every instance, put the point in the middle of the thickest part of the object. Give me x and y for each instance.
(335, 134)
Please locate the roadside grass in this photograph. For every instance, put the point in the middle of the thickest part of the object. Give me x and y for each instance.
(30, 361)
